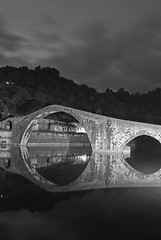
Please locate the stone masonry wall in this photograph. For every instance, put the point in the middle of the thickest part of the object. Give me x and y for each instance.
(104, 133)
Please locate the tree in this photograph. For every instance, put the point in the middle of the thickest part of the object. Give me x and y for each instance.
(21, 96)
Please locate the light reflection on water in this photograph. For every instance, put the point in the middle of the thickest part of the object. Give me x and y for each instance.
(30, 207)
(59, 169)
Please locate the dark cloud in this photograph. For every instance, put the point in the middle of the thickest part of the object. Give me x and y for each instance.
(47, 39)
(129, 59)
(8, 41)
(139, 51)
(10, 44)
(18, 50)
(88, 56)
(47, 33)
(96, 56)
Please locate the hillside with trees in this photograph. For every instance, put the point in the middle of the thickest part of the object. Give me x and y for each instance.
(24, 90)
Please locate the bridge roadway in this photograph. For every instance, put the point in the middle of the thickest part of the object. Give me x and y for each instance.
(104, 133)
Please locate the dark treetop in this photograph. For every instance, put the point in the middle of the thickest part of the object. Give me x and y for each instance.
(24, 90)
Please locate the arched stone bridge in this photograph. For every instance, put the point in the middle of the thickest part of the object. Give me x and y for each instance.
(105, 133)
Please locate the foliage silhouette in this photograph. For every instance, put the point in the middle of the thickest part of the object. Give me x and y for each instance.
(24, 90)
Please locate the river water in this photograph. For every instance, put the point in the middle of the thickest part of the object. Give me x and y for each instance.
(74, 193)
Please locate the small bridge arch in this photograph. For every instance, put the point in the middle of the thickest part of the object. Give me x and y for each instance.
(139, 134)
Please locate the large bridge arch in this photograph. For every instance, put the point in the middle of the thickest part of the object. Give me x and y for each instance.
(34, 118)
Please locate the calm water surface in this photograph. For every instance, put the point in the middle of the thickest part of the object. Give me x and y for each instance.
(72, 193)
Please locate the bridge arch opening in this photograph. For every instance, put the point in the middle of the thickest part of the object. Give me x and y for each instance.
(145, 154)
(56, 127)
(71, 147)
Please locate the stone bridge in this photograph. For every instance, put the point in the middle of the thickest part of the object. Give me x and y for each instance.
(104, 133)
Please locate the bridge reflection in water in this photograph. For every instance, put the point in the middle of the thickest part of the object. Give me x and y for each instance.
(59, 169)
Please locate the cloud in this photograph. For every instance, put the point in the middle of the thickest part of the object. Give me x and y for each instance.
(86, 56)
(42, 42)
(139, 51)
(10, 44)
(94, 55)
(130, 59)
(28, 49)
(8, 41)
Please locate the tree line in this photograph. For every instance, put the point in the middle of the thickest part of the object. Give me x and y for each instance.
(24, 90)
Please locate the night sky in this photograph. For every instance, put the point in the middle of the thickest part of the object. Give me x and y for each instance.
(102, 43)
